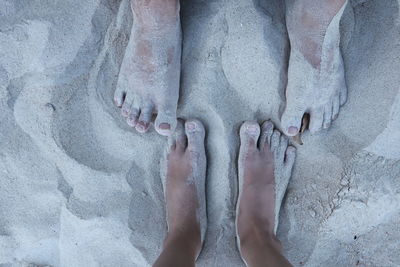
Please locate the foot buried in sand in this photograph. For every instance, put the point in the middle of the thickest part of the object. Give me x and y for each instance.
(148, 82)
(265, 166)
(316, 77)
(183, 175)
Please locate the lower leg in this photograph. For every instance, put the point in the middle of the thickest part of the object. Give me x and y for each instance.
(261, 248)
(307, 22)
(179, 251)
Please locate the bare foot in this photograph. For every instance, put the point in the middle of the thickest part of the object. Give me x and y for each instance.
(265, 167)
(316, 77)
(184, 184)
(150, 72)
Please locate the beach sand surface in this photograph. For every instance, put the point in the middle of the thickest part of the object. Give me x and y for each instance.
(78, 187)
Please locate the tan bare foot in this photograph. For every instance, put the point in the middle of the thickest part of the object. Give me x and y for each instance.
(265, 166)
(148, 81)
(184, 187)
(316, 76)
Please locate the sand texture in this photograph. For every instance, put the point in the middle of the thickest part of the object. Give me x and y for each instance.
(78, 187)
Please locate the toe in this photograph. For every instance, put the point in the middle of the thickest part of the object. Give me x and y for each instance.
(143, 123)
(283, 144)
(249, 133)
(178, 139)
(166, 121)
(316, 120)
(275, 140)
(327, 117)
(291, 120)
(266, 133)
(133, 117)
(290, 156)
(335, 108)
(126, 106)
(195, 135)
(119, 97)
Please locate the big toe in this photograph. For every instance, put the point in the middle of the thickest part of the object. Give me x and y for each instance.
(249, 133)
(195, 133)
(291, 120)
(165, 123)
(178, 139)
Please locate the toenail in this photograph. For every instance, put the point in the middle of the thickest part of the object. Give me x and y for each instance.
(293, 130)
(251, 129)
(131, 122)
(191, 126)
(125, 112)
(164, 126)
(269, 126)
(142, 126)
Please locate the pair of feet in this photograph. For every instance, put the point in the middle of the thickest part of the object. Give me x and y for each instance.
(150, 72)
(265, 164)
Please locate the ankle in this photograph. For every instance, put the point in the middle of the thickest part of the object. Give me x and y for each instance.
(156, 31)
(258, 235)
(188, 240)
(157, 15)
(262, 251)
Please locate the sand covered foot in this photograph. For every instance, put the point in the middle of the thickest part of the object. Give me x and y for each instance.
(184, 183)
(149, 77)
(265, 166)
(316, 76)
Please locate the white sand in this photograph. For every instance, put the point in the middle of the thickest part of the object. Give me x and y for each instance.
(78, 187)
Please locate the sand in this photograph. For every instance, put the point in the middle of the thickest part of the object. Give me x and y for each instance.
(78, 187)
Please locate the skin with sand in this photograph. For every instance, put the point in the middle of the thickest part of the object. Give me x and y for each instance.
(149, 77)
(265, 165)
(183, 176)
(316, 78)
(77, 189)
(150, 72)
(149, 83)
